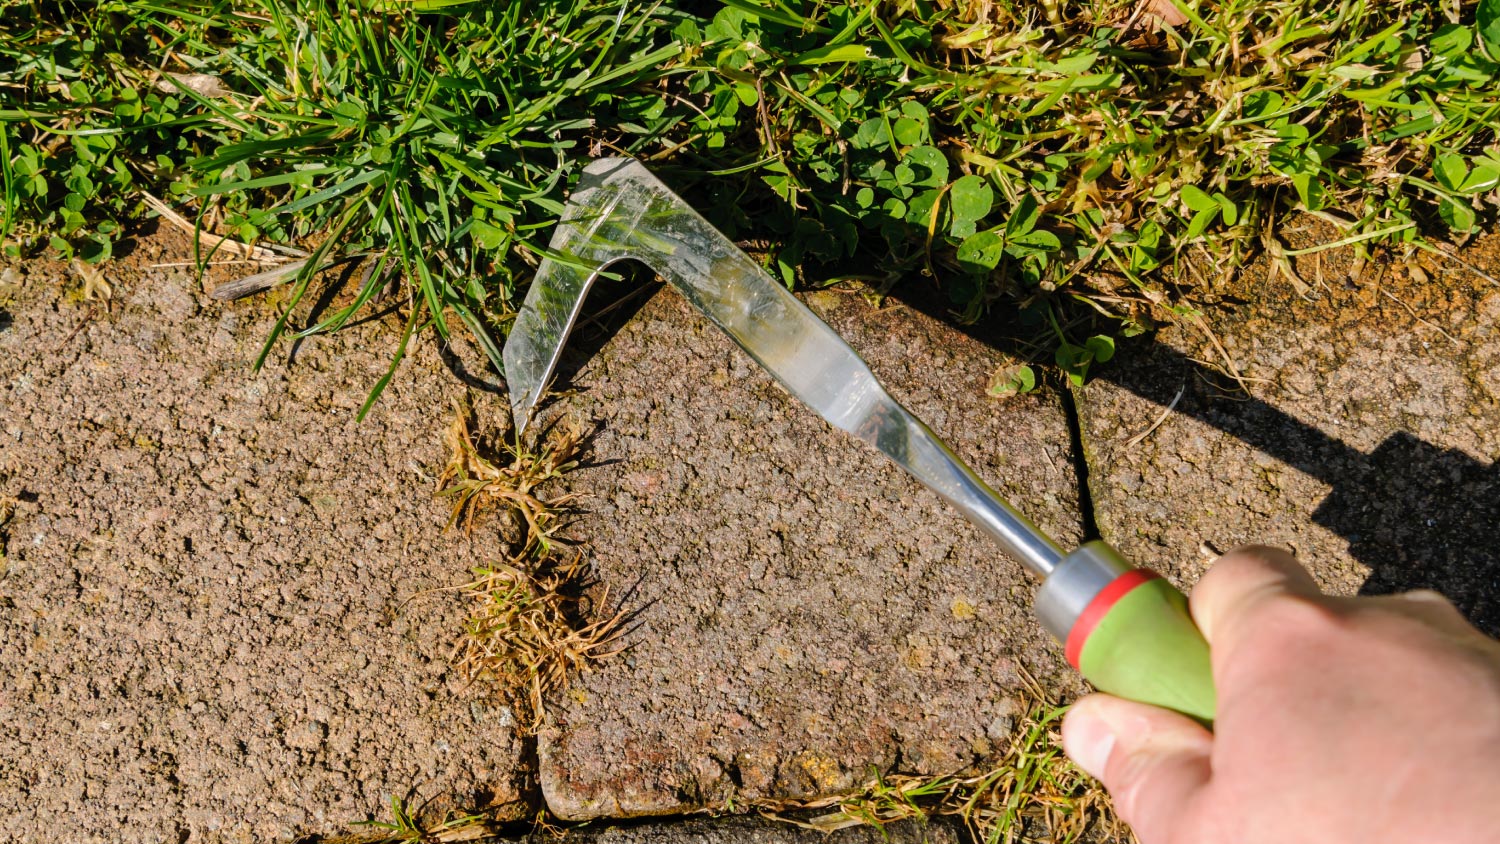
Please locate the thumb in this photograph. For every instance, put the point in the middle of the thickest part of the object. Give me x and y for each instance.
(1153, 761)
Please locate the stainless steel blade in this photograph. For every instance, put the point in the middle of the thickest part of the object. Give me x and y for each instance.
(620, 211)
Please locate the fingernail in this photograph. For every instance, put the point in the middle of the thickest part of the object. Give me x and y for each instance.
(1424, 596)
(1088, 739)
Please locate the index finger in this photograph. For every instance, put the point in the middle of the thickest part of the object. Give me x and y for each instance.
(1241, 581)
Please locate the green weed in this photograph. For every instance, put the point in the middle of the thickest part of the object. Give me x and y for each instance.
(1063, 157)
(1030, 792)
(407, 827)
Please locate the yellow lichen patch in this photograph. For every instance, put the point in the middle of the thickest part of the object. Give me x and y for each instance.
(821, 769)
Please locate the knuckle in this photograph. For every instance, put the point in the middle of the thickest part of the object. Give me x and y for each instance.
(1288, 619)
(1430, 603)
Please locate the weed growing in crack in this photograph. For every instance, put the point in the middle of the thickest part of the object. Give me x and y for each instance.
(526, 633)
(412, 825)
(476, 482)
(1037, 787)
(527, 630)
(1030, 793)
(407, 827)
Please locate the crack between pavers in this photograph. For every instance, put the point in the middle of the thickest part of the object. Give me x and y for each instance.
(1086, 515)
(529, 831)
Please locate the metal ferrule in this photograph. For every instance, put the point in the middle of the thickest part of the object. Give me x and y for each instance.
(1076, 581)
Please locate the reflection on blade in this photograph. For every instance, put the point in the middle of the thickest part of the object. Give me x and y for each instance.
(620, 211)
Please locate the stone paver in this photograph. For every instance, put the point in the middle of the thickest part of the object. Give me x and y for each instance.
(204, 623)
(1366, 443)
(806, 612)
(203, 584)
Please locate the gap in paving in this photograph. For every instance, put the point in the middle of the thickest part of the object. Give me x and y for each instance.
(701, 829)
(1080, 464)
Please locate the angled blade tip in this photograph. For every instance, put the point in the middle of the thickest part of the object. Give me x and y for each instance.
(520, 410)
(546, 316)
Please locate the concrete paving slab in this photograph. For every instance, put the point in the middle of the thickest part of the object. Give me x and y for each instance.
(1366, 441)
(807, 612)
(203, 572)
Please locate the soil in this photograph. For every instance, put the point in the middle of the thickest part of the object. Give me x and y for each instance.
(204, 584)
(806, 612)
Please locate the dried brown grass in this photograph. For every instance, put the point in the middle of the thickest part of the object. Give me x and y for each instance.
(1030, 793)
(528, 627)
(477, 483)
(525, 634)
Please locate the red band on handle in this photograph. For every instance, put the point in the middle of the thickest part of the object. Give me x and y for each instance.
(1099, 607)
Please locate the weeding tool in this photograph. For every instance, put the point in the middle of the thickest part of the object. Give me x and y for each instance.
(1126, 629)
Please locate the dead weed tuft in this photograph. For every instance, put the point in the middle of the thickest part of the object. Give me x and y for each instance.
(528, 628)
(1031, 793)
(476, 482)
(526, 633)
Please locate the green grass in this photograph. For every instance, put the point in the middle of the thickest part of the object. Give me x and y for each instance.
(406, 826)
(1060, 157)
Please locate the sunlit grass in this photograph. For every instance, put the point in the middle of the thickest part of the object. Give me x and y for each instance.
(1065, 158)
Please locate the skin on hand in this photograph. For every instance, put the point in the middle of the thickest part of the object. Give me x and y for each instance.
(1365, 720)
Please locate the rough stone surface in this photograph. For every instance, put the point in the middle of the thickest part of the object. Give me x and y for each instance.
(806, 613)
(204, 620)
(202, 584)
(1365, 443)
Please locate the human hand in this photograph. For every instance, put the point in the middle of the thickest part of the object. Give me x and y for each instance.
(1362, 720)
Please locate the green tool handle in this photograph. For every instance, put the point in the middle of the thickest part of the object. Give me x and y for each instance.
(1128, 631)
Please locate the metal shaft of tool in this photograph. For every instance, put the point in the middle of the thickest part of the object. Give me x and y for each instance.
(915, 448)
(621, 211)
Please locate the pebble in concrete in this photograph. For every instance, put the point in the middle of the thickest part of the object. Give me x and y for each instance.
(806, 613)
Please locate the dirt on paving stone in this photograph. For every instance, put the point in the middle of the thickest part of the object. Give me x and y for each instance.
(1363, 433)
(203, 584)
(806, 613)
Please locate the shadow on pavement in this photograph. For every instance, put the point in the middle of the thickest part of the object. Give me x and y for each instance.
(1419, 516)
